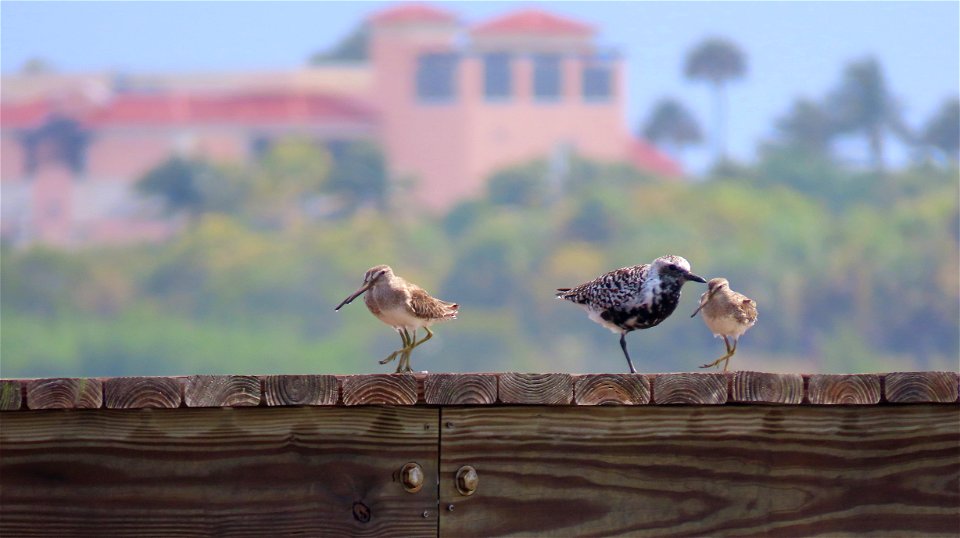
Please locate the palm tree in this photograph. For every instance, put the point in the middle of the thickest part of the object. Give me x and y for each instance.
(672, 125)
(863, 104)
(717, 61)
(943, 129)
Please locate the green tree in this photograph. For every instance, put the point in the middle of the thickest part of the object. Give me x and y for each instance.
(521, 186)
(183, 186)
(863, 104)
(283, 181)
(717, 61)
(359, 175)
(352, 48)
(807, 126)
(942, 130)
(671, 124)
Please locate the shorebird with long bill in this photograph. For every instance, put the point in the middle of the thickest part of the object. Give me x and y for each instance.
(402, 305)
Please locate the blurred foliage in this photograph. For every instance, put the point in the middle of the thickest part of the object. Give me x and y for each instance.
(354, 47)
(852, 271)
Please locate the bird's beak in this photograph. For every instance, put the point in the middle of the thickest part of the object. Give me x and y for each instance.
(695, 278)
(703, 304)
(354, 295)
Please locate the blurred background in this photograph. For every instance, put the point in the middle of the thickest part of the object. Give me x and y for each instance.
(192, 187)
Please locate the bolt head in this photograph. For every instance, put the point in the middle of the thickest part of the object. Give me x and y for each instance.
(411, 476)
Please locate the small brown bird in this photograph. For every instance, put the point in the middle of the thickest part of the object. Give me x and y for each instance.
(402, 305)
(728, 314)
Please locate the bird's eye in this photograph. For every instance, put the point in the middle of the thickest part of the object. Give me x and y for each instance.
(673, 267)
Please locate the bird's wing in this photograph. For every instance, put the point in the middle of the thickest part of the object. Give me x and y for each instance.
(608, 290)
(426, 307)
(748, 308)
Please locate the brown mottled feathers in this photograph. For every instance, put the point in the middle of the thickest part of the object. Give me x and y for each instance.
(747, 313)
(426, 307)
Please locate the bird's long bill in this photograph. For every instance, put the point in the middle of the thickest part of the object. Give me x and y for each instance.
(354, 295)
(695, 278)
(704, 303)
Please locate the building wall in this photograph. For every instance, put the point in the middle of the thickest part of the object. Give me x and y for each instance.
(451, 148)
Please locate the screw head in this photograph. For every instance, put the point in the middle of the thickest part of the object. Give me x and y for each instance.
(467, 480)
(411, 476)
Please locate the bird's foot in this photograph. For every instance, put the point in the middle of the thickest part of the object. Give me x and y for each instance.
(394, 355)
(718, 361)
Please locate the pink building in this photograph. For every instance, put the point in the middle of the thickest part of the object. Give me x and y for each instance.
(449, 104)
(526, 85)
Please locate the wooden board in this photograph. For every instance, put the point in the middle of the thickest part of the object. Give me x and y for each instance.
(702, 471)
(307, 471)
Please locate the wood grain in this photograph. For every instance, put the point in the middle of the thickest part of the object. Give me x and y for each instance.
(295, 471)
(854, 389)
(300, 390)
(611, 389)
(460, 389)
(921, 387)
(690, 471)
(690, 388)
(221, 391)
(141, 392)
(541, 389)
(379, 389)
(760, 387)
(64, 393)
(11, 394)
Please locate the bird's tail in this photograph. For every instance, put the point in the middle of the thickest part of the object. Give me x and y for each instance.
(563, 293)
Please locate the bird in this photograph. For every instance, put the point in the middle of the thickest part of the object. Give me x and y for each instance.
(727, 314)
(630, 298)
(402, 305)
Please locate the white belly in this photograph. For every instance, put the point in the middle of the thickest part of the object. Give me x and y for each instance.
(726, 326)
(400, 318)
(594, 316)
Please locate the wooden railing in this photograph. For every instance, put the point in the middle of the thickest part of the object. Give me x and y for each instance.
(690, 454)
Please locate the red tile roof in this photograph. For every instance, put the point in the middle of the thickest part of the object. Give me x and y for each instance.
(22, 115)
(532, 21)
(647, 158)
(412, 13)
(171, 109)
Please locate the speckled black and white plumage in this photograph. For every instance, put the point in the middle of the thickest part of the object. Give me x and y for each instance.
(631, 298)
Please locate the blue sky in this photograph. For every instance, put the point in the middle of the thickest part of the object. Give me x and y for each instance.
(794, 48)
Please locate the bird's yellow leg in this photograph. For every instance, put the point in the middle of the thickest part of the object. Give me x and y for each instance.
(723, 358)
(730, 354)
(404, 337)
(404, 364)
(429, 336)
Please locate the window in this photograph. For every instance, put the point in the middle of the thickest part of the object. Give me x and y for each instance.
(597, 81)
(497, 79)
(436, 77)
(546, 77)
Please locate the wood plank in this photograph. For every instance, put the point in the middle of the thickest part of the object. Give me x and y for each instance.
(853, 389)
(141, 392)
(221, 391)
(460, 389)
(64, 393)
(611, 389)
(292, 471)
(11, 394)
(379, 389)
(686, 471)
(541, 389)
(921, 387)
(689, 388)
(300, 390)
(760, 387)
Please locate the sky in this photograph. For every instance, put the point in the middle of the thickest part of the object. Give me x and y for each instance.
(793, 49)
